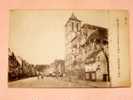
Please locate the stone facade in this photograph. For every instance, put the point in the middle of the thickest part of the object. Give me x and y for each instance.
(86, 50)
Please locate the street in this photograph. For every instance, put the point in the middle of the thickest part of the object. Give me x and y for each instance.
(52, 82)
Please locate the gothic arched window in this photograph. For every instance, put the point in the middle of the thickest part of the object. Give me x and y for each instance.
(72, 26)
(77, 26)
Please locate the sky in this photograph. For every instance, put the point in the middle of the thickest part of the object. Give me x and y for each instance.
(38, 36)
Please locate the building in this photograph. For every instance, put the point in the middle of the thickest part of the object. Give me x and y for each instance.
(56, 68)
(86, 50)
(60, 67)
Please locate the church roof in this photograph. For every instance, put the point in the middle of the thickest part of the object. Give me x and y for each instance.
(93, 27)
(73, 17)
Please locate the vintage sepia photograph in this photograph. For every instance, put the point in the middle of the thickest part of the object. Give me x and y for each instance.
(68, 49)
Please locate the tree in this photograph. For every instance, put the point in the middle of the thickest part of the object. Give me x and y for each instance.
(102, 44)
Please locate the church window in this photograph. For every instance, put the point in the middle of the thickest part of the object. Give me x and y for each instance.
(72, 26)
(77, 26)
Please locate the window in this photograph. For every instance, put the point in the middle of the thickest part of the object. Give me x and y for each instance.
(98, 58)
(72, 26)
(77, 26)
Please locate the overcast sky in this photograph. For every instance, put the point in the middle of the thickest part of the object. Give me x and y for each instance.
(38, 36)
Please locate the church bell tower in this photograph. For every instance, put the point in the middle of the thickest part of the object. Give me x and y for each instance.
(73, 24)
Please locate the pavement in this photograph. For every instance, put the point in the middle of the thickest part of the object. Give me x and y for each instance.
(52, 82)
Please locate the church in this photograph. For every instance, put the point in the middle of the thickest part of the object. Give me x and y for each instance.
(86, 48)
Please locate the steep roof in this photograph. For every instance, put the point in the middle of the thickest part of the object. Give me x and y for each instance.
(96, 32)
(86, 25)
(72, 17)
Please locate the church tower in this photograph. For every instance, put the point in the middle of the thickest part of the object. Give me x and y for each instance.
(72, 29)
(73, 24)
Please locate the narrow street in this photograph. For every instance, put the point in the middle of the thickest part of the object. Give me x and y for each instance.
(52, 82)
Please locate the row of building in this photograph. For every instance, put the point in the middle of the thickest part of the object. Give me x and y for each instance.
(19, 68)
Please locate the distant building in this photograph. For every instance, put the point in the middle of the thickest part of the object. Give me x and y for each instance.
(56, 67)
(60, 67)
(86, 50)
